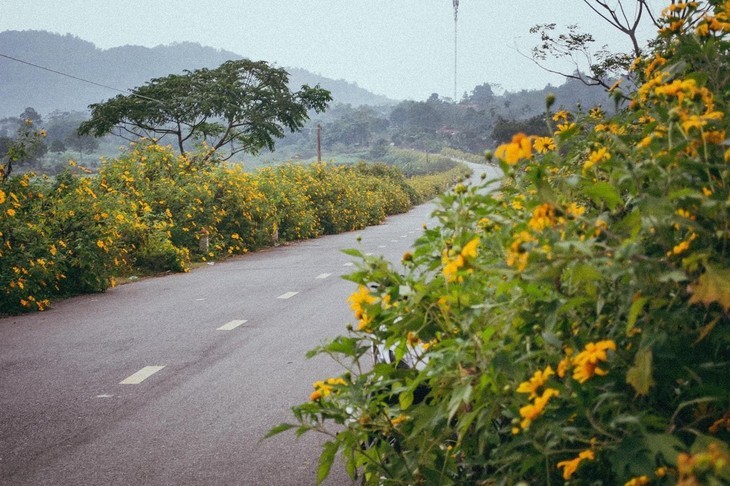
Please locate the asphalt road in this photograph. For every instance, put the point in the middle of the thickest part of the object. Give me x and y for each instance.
(141, 386)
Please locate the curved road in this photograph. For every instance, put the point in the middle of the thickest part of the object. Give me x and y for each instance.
(174, 380)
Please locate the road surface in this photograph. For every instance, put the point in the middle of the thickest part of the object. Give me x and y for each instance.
(174, 380)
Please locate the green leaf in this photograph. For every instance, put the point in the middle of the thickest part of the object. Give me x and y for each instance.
(639, 375)
(405, 399)
(329, 450)
(279, 429)
(354, 252)
(604, 192)
(636, 307)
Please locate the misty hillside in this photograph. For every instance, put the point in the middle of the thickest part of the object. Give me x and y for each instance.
(120, 67)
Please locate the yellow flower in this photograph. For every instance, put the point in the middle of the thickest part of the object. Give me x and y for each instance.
(538, 379)
(574, 210)
(452, 267)
(517, 254)
(11, 212)
(544, 216)
(638, 481)
(597, 156)
(563, 366)
(561, 115)
(586, 362)
(544, 144)
(470, 249)
(596, 113)
(2, 197)
(357, 299)
(399, 419)
(569, 467)
(412, 338)
(532, 411)
(519, 148)
(324, 388)
(564, 127)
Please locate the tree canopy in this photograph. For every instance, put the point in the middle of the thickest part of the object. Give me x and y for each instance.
(241, 106)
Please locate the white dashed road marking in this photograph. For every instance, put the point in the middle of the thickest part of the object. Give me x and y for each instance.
(382, 246)
(287, 295)
(322, 276)
(348, 264)
(141, 375)
(232, 325)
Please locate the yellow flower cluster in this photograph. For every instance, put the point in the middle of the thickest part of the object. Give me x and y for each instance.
(453, 263)
(585, 364)
(532, 411)
(517, 254)
(570, 466)
(359, 298)
(324, 388)
(519, 148)
(545, 216)
(596, 156)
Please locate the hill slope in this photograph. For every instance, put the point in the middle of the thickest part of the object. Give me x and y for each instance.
(120, 67)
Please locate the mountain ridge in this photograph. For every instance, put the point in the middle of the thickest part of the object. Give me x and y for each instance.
(127, 66)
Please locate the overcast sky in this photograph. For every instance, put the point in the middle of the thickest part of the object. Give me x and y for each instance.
(403, 49)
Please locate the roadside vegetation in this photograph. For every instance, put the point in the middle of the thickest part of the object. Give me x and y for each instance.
(152, 210)
(571, 326)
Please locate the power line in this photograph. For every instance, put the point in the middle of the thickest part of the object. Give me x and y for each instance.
(78, 78)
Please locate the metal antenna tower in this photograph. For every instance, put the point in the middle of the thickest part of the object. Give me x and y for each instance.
(456, 17)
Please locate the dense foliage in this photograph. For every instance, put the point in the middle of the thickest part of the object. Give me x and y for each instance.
(152, 211)
(240, 106)
(570, 326)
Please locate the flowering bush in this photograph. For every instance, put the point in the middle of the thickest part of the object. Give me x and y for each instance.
(572, 326)
(148, 210)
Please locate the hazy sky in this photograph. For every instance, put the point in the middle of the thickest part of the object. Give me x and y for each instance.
(398, 48)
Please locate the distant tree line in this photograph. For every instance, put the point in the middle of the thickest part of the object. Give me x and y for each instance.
(481, 119)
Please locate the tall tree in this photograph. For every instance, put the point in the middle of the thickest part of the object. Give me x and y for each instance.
(241, 106)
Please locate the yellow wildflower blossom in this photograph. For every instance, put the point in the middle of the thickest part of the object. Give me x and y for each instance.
(452, 267)
(532, 411)
(586, 362)
(561, 115)
(574, 210)
(399, 419)
(597, 156)
(564, 127)
(519, 148)
(544, 144)
(538, 379)
(470, 249)
(638, 481)
(517, 254)
(570, 466)
(2, 197)
(544, 216)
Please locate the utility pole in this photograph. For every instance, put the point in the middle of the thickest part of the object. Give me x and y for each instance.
(456, 16)
(319, 142)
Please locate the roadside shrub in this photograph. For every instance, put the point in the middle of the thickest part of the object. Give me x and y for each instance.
(28, 254)
(572, 326)
(285, 186)
(158, 254)
(147, 210)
